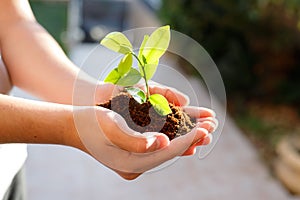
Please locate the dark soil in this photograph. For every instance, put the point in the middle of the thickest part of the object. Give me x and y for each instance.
(143, 117)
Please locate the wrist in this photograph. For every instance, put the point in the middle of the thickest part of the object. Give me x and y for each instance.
(71, 136)
(105, 91)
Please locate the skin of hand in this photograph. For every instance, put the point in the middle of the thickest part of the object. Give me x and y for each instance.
(136, 148)
(105, 136)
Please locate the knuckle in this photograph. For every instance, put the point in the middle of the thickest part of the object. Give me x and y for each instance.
(141, 146)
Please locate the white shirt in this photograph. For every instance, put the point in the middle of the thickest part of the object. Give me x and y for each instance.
(12, 156)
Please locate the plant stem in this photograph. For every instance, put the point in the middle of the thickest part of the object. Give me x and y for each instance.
(147, 86)
(136, 57)
(144, 74)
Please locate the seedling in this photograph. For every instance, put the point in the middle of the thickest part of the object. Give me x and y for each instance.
(150, 51)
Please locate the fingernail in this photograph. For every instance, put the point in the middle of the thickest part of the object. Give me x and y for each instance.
(211, 126)
(151, 140)
(214, 126)
(207, 140)
(157, 144)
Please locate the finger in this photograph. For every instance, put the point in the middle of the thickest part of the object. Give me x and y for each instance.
(172, 95)
(208, 125)
(163, 141)
(205, 141)
(190, 151)
(184, 145)
(140, 162)
(202, 133)
(139, 144)
(199, 134)
(213, 120)
(199, 112)
(119, 134)
(105, 91)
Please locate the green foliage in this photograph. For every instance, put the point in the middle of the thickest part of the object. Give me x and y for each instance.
(117, 42)
(152, 48)
(137, 94)
(254, 43)
(156, 44)
(150, 70)
(125, 64)
(160, 104)
(113, 77)
(129, 79)
(140, 55)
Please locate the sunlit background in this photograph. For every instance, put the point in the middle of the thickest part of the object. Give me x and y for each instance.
(256, 46)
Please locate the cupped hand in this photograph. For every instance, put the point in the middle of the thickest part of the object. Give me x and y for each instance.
(206, 118)
(130, 153)
(207, 122)
(105, 135)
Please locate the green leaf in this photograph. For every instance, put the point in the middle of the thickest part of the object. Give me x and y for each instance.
(113, 76)
(117, 42)
(144, 59)
(138, 94)
(157, 44)
(150, 70)
(125, 64)
(160, 104)
(131, 78)
(140, 55)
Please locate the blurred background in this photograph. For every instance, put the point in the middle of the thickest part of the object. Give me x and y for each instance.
(256, 47)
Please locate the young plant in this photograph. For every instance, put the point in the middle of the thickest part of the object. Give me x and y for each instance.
(151, 49)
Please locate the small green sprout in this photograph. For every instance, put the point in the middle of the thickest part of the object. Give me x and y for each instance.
(151, 49)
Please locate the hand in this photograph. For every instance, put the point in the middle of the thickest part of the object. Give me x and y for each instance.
(130, 153)
(105, 136)
(207, 121)
(206, 118)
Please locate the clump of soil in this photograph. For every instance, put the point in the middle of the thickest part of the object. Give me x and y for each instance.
(143, 117)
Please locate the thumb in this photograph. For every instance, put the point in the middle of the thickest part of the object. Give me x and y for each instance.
(160, 141)
(127, 139)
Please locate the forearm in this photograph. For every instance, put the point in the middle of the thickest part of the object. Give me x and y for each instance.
(36, 63)
(26, 121)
